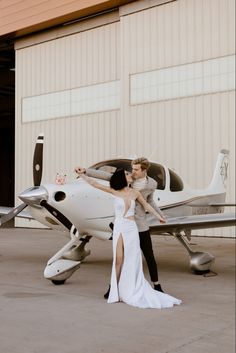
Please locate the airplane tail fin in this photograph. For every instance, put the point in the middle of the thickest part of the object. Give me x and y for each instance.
(220, 175)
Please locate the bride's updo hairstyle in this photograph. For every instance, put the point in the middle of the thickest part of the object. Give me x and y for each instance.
(118, 180)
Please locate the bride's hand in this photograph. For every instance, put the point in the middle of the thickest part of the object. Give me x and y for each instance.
(162, 220)
(79, 170)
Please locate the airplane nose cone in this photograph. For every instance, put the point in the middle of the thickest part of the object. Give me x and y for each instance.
(34, 195)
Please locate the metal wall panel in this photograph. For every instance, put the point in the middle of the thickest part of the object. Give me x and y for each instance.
(27, 16)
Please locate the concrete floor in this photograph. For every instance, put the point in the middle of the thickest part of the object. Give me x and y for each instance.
(39, 317)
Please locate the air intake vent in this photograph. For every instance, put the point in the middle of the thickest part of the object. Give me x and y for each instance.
(59, 196)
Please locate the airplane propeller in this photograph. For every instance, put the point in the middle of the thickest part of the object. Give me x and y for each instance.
(37, 176)
(58, 215)
(37, 195)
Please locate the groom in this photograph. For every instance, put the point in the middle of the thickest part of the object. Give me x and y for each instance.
(146, 187)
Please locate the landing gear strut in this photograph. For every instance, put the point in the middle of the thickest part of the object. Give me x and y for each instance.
(67, 260)
(78, 253)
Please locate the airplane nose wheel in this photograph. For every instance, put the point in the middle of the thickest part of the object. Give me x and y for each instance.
(58, 283)
(60, 270)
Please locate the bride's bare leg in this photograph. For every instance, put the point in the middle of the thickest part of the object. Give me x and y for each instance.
(119, 257)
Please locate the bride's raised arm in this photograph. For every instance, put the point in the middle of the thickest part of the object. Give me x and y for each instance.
(94, 183)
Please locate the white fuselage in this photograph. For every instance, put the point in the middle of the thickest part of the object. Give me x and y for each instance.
(91, 210)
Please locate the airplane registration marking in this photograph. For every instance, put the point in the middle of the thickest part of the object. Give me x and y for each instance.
(224, 171)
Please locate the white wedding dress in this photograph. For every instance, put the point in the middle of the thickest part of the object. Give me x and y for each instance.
(132, 288)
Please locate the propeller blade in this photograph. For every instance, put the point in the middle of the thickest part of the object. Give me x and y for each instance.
(13, 213)
(38, 160)
(57, 214)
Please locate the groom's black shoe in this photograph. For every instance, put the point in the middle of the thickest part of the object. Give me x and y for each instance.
(106, 295)
(158, 287)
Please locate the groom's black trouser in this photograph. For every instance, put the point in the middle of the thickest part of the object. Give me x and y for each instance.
(146, 246)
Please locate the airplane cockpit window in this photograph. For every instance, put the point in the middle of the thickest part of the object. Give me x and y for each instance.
(156, 171)
(176, 184)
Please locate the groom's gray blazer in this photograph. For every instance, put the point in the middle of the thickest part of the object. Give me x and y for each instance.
(147, 193)
(140, 213)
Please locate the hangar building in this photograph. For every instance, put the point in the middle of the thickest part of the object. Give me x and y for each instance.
(104, 79)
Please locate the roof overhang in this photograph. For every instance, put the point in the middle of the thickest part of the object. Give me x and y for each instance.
(38, 16)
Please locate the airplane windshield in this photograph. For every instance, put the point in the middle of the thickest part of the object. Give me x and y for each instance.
(156, 171)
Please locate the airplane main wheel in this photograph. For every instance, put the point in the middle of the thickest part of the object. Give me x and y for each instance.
(198, 272)
(58, 283)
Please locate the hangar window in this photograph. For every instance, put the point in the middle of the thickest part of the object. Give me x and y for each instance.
(83, 100)
(203, 77)
(176, 184)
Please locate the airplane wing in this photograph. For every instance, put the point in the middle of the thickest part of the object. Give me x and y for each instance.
(178, 224)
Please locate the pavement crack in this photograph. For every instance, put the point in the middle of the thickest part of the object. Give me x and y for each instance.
(196, 339)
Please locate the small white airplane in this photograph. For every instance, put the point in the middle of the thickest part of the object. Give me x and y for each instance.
(84, 212)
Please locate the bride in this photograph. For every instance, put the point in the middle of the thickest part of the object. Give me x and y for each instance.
(128, 283)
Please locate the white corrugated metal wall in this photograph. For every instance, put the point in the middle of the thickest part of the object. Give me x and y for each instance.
(185, 133)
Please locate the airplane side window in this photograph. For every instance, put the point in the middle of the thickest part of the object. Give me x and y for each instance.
(176, 183)
(157, 172)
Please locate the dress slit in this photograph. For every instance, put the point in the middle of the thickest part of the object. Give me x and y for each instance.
(120, 238)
